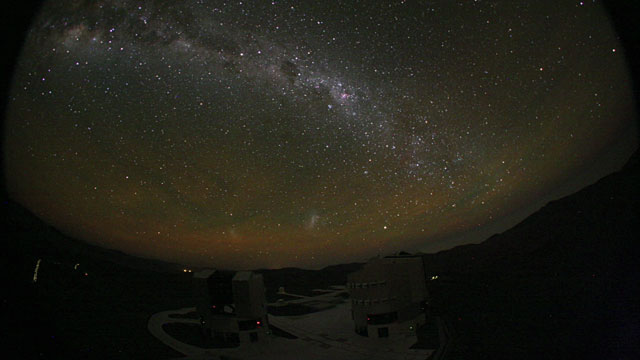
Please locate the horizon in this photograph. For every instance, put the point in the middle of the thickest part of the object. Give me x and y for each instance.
(179, 267)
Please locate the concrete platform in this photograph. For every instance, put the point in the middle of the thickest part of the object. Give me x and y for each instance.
(326, 334)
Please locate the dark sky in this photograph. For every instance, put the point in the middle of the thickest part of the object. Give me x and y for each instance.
(249, 134)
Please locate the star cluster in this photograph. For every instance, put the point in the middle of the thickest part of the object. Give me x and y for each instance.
(248, 134)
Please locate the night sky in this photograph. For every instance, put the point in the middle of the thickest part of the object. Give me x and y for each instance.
(248, 134)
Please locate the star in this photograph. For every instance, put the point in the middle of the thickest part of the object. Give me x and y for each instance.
(263, 134)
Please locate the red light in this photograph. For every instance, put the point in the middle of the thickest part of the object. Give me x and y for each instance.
(213, 306)
(258, 322)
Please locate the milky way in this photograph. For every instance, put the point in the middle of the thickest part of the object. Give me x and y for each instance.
(252, 134)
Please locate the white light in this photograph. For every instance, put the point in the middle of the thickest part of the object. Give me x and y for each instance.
(35, 272)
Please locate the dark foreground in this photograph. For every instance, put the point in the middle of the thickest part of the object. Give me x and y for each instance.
(561, 284)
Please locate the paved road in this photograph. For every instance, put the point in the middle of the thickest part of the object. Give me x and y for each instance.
(155, 328)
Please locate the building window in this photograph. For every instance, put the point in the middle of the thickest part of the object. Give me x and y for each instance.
(362, 331)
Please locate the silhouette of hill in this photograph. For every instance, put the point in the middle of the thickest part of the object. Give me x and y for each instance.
(88, 302)
(561, 283)
(41, 239)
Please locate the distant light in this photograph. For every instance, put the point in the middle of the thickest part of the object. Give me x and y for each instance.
(35, 271)
(76, 267)
(613, 50)
(85, 274)
(258, 323)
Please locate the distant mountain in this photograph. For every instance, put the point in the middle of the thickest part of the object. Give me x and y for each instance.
(562, 283)
(600, 222)
(29, 236)
(88, 302)
(302, 282)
